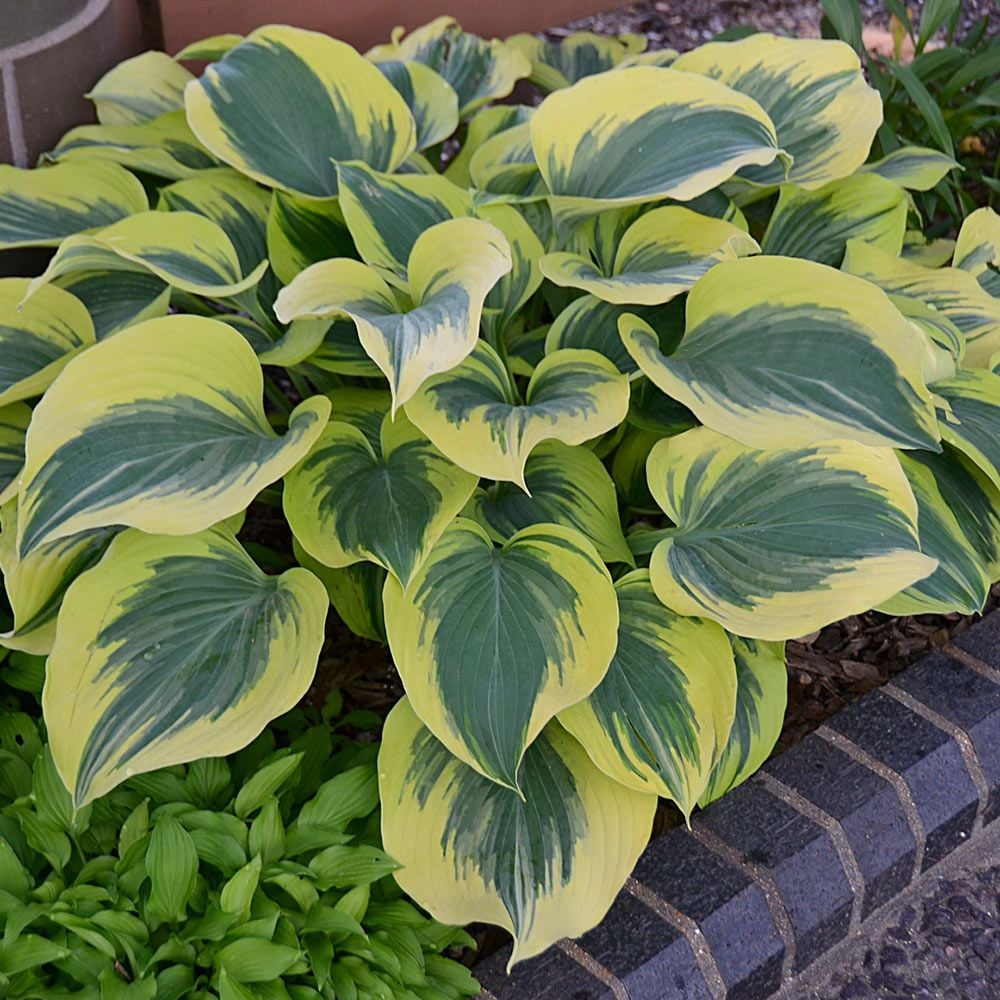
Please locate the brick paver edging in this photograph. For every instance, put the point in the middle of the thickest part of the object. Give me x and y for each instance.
(783, 868)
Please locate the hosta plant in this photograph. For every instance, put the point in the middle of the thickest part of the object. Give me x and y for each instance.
(256, 876)
(582, 406)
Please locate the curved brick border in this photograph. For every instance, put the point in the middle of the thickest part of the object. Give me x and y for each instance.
(786, 866)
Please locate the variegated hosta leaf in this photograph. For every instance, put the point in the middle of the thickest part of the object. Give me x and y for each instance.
(492, 643)
(41, 207)
(661, 716)
(978, 248)
(961, 582)
(349, 501)
(628, 469)
(938, 328)
(479, 71)
(951, 290)
(172, 446)
(592, 324)
(474, 414)
(555, 65)
(760, 544)
(661, 255)
(36, 584)
(140, 89)
(485, 124)
(303, 231)
(645, 133)
(566, 485)
(815, 92)
(515, 288)
(286, 105)
(781, 352)
(209, 49)
(929, 253)
(451, 268)
(504, 165)
(117, 299)
(816, 224)
(163, 147)
(37, 338)
(973, 422)
(431, 99)
(761, 696)
(187, 251)
(915, 168)
(171, 649)
(543, 867)
(386, 214)
(14, 420)
(355, 592)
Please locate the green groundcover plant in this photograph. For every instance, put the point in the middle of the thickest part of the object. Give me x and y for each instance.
(257, 876)
(583, 406)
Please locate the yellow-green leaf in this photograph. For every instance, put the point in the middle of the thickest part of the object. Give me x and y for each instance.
(172, 446)
(41, 207)
(14, 420)
(545, 867)
(140, 89)
(451, 268)
(781, 352)
(977, 249)
(431, 99)
(38, 338)
(661, 716)
(661, 255)
(117, 299)
(760, 544)
(815, 92)
(646, 133)
(484, 125)
(173, 649)
(951, 290)
(209, 49)
(163, 147)
(303, 231)
(474, 414)
(348, 501)
(915, 168)
(479, 71)
(761, 695)
(817, 223)
(491, 644)
(286, 105)
(562, 63)
(972, 421)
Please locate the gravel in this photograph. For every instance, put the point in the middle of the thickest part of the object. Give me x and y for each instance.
(943, 947)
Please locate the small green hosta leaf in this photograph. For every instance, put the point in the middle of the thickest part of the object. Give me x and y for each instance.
(661, 716)
(332, 106)
(118, 697)
(14, 877)
(646, 133)
(474, 414)
(341, 866)
(253, 960)
(348, 796)
(41, 207)
(431, 99)
(915, 168)
(165, 448)
(387, 213)
(265, 783)
(37, 338)
(761, 695)
(451, 268)
(660, 256)
(14, 420)
(760, 544)
(238, 892)
(267, 833)
(814, 91)
(781, 352)
(566, 485)
(816, 224)
(953, 291)
(479, 71)
(534, 622)
(172, 863)
(341, 499)
(186, 250)
(473, 849)
(29, 951)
